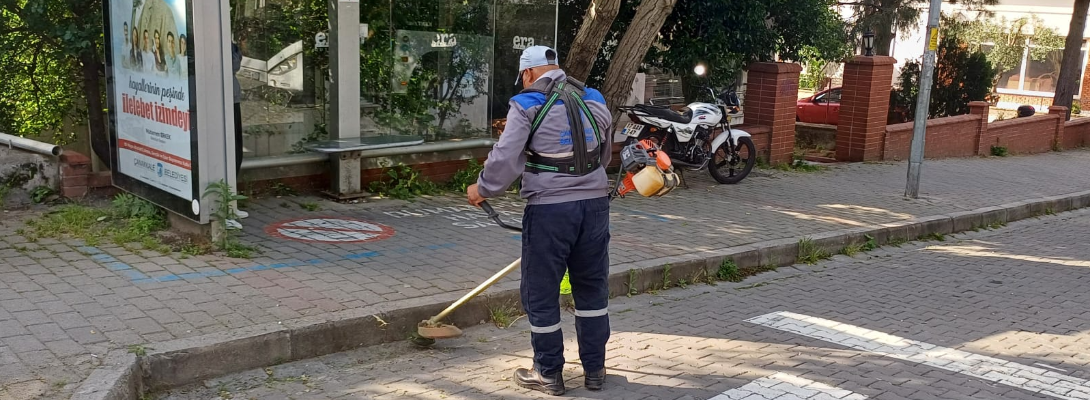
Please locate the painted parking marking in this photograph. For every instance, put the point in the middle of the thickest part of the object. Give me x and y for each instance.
(1033, 379)
(136, 276)
(329, 230)
(781, 386)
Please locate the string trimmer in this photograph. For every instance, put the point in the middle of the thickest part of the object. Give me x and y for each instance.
(649, 172)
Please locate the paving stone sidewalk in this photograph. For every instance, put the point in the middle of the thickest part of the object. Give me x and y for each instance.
(988, 315)
(63, 305)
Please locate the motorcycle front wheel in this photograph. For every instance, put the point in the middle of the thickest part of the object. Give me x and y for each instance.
(730, 166)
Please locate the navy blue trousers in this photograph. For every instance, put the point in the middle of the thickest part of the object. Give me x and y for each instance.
(571, 236)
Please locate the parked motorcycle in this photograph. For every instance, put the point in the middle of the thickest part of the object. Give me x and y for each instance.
(699, 136)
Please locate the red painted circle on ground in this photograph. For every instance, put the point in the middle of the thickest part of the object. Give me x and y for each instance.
(330, 230)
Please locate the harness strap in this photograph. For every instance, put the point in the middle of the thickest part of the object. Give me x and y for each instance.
(583, 161)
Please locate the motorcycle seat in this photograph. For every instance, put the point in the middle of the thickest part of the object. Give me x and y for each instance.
(666, 113)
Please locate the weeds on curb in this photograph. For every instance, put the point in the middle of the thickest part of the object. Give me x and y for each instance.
(728, 271)
(666, 277)
(997, 225)
(999, 151)
(632, 275)
(138, 350)
(852, 249)
(811, 253)
(1050, 211)
(933, 236)
(897, 242)
(503, 315)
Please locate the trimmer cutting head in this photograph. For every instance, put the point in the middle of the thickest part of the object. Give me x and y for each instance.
(437, 330)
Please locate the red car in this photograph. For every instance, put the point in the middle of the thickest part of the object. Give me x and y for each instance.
(821, 108)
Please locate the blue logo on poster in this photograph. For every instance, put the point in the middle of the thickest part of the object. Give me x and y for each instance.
(159, 166)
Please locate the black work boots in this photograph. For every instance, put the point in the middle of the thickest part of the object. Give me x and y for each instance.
(549, 384)
(594, 380)
(554, 384)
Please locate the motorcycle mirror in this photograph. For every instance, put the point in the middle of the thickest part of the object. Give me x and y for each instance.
(700, 70)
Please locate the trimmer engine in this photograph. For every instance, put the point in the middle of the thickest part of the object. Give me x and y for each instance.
(648, 171)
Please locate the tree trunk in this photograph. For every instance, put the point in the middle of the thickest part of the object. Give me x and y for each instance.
(883, 40)
(584, 50)
(96, 116)
(626, 61)
(1067, 83)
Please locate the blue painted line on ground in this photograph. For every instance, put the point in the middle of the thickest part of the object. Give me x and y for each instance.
(138, 277)
(647, 214)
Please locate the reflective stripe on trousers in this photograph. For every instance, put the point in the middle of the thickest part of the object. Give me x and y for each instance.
(571, 236)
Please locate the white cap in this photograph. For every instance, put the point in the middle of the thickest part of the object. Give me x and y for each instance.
(536, 56)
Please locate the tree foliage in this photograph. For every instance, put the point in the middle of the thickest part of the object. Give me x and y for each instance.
(962, 75)
(727, 35)
(44, 46)
(1005, 42)
(887, 18)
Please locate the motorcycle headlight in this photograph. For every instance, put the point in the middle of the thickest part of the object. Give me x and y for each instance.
(285, 67)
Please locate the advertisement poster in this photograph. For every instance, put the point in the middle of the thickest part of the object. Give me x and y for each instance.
(151, 104)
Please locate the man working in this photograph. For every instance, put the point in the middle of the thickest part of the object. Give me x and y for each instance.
(558, 139)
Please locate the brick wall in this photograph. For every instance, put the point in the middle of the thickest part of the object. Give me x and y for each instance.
(1077, 133)
(946, 137)
(439, 172)
(1022, 135)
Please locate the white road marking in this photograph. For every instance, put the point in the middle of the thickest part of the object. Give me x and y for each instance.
(782, 386)
(1033, 379)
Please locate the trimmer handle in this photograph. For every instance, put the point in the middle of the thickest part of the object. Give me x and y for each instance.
(495, 216)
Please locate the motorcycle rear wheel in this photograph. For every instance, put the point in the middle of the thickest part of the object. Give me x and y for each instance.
(730, 166)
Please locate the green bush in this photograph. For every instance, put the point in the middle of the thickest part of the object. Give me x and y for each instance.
(961, 76)
(466, 176)
(404, 183)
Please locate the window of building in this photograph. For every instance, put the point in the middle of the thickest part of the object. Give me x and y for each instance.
(1035, 76)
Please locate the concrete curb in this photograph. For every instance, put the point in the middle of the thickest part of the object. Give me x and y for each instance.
(186, 361)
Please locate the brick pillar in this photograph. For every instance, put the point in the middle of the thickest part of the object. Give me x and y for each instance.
(983, 140)
(864, 108)
(1061, 113)
(771, 93)
(75, 169)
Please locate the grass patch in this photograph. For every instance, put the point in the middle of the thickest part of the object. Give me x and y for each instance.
(129, 220)
(728, 271)
(810, 253)
(310, 206)
(503, 315)
(999, 151)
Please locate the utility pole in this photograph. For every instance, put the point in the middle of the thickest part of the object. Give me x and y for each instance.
(923, 103)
